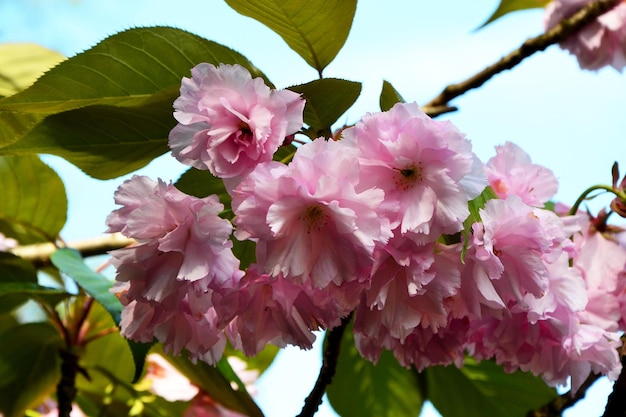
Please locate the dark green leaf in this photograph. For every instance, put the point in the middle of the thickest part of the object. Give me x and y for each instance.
(214, 383)
(509, 6)
(125, 69)
(285, 154)
(389, 96)
(33, 206)
(484, 389)
(315, 29)
(22, 63)
(326, 100)
(104, 141)
(245, 251)
(14, 271)
(13, 291)
(201, 184)
(363, 389)
(139, 351)
(29, 366)
(71, 263)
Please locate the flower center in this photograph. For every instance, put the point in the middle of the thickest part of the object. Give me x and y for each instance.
(315, 218)
(244, 133)
(409, 176)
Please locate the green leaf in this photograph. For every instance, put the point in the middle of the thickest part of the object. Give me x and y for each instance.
(326, 100)
(29, 366)
(14, 272)
(363, 389)
(33, 206)
(484, 389)
(509, 6)
(475, 206)
(214, 383)
(71, 263)
(125, 69)
(22, 63)
(104, 141)
(200, 183)
(260, 362)
(285, 154)
(14, 125)
(389, 96)
(139, 351)
(18, 290)
(245, 251)
(315, 29)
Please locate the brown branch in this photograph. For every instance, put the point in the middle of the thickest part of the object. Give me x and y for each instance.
(557, 34)
(616, 404)
(39, 254)
(327, 372)
(556, 407)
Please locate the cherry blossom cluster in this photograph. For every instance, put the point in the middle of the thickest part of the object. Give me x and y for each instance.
(599, 44)
(436, 254)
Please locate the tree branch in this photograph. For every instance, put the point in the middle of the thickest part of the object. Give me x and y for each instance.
(556, 407)
(567, 27)
(327, 372)
(39, 254)
(616, 404)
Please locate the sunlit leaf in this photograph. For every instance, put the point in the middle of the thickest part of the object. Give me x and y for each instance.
(125, 69)
(29, 366)
(315, 29)
(14, 125)
(389, 96)
(508, 6)
(33, 206)
(362, 389)
(484, 389)
(326, 100)
(214, 383)
(22, 63)
(71, 263)
(260, 362)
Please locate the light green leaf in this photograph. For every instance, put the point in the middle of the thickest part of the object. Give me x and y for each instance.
(326, 100)
(22, 63)
(484, 389)
(104, 141)
(14, 125)
(315, 29)
(362, 389)
(389, 96)
(71, 263)
(214, 383)
(29, 366)
(125, 69)
(33, 206)
(509, 6)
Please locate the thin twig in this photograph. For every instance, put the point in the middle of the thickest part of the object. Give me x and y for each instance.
(327, 372)
(39, 254)
(556, 407)
(557, 34)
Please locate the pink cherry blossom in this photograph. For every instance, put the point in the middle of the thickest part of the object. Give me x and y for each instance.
(425, 167)
(600, 43)
(511, 172)
(229, 122)
(310, 222)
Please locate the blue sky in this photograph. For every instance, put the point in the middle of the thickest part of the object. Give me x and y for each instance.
(569, 120)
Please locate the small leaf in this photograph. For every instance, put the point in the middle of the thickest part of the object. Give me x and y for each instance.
(214, 383)
(22, 63)
(484, 389)
(326, 100)
(474, 208)
(71, 263)
(285, 154)
(33, 206)
(315, 29)
(245, 251)
(125, 69)
(29, 366)
(201, 183)
(362, 389)
(509, 6)
(389, 96)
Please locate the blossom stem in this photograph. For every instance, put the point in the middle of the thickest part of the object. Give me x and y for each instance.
(560, 32)
(591, 189)
(327, 372)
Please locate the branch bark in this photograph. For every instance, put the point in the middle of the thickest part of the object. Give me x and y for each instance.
(39, 254)
(556, 407)
(327, 372)
(439, 105)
